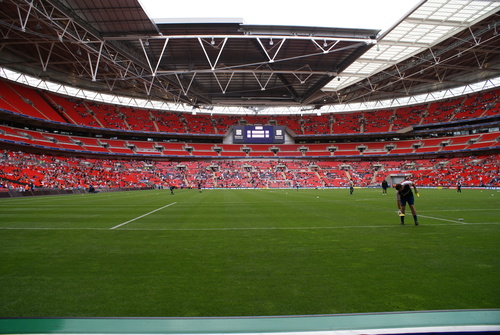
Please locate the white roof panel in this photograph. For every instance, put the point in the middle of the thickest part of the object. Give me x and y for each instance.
(429, 24)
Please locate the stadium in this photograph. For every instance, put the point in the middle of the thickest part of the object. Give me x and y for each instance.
(167, 176)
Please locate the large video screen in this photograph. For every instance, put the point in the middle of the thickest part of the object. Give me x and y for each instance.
(258, 134)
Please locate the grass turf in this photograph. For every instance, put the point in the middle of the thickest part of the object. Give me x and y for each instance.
(247, 253)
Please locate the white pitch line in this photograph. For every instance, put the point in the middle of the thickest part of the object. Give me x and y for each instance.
(462, 210)
(51, 228)
(454, 223)
(447, 220)
(137, 218)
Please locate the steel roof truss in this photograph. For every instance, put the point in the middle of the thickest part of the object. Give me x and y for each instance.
(42, 61)
(155, 70)
(477, 40)
(436, 59)
(93, 70)
(479, 62)
(76, 32)
(373, 87)
(221, 46)
(66, 27)
(299, 75)
(227, 84)
(111, 85)
(438, 74)
(326, 47)
(185, 90)
(24, 21)
(6, 35)
(63, 32)
(148, 85)
(277, 46)
(82, 68)
(263, 87)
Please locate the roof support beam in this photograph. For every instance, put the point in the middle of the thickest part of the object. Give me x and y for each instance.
(24, 21)
(214, 64)
(44, 62)
(185, 90)
(365, 40)
(143, 46)
(271, 42)
(94, 69)
(223, 89)
(258, 70)
(260, 80)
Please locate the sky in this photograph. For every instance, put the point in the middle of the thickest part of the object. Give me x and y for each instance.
(369, 14)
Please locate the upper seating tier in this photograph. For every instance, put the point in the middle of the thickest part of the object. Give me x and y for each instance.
(29, 102)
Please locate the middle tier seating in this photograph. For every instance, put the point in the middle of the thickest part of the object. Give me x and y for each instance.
(145, 148)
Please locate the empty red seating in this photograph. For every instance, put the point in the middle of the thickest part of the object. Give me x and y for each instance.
(256, 119)
(347, 149)
(375, 148)
(348, 123)
(408, 116)
(35, 99)
(12, 101)
(73, 109)
(168, 122)
(108, 116)
(316, 124)
(403, 147)
(317, 147)
(476, 105)
(490, 137)
(64, 142)
(442, 111)
(224, 122)
(290, 121)
(103, 145)
(138, 119)
(378, 121)
(90, 144)
(48, 106)
(117, 146)
(482, 145)
(199, 124)
(260, 147)
(231, 150)
(202, 146)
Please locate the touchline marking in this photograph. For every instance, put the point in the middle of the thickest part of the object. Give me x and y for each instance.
(137, 218)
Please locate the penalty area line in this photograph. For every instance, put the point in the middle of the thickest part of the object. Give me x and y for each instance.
(139, 217)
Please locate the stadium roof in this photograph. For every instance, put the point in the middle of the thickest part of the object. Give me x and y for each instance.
(115, 47)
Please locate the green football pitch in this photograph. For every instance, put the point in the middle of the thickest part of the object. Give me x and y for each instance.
(247, 253)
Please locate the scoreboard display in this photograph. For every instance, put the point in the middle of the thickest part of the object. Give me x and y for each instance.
(258, 134)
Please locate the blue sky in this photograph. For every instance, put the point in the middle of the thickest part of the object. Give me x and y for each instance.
(371, 14)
